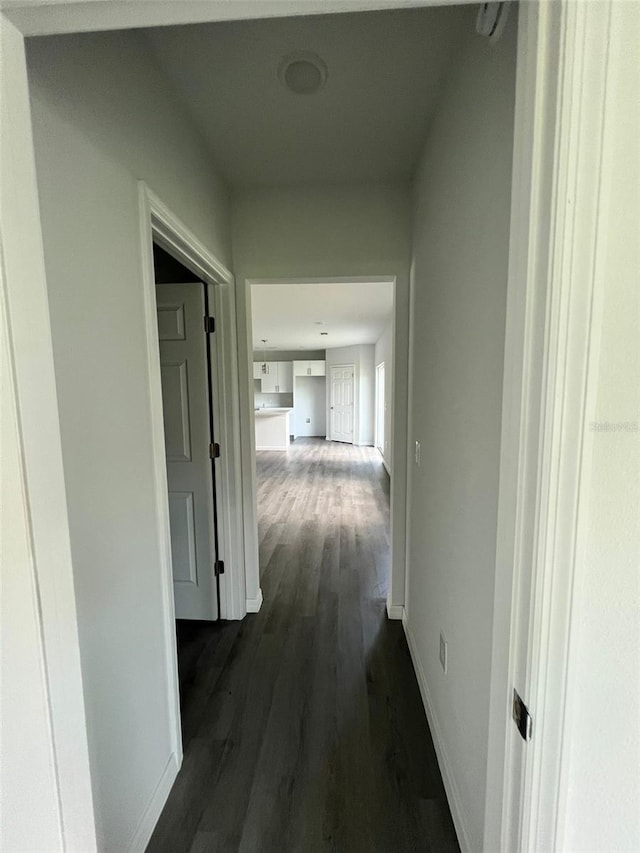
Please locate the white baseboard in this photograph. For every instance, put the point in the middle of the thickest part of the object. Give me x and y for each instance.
(153, 811)
(451, 789)
(395, 611)
(254, 604)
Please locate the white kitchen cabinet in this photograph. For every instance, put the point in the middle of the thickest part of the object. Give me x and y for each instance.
(278, 378)
(285, 377)
(309, 368)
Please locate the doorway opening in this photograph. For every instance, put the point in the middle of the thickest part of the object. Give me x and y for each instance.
(315, 347)
(189, 306)
(186, 359)
(190, 438)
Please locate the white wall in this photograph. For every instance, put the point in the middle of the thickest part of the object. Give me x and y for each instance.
(361, 357)
(310, 401)
(384, 353)
(461, 232)
(602, 805)
(322, 233)
(104, 118)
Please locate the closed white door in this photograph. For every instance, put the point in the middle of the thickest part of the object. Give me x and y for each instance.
(342, 403)
(185, 402)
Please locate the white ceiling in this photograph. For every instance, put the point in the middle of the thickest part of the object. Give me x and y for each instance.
(385, 70)
(287, 314)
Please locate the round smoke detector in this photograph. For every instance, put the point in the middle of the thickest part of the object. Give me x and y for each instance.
(303, 73)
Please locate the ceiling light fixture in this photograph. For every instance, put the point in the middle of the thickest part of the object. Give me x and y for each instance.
(303, 72)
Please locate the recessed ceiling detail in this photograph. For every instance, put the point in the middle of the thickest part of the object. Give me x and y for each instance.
(303, 73)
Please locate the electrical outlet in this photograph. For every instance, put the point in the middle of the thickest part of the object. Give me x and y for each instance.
(418, 453)
(443, 653)
(308, 420)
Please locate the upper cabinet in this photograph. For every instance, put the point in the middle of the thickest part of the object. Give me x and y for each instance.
(309, 368)
(277, 378)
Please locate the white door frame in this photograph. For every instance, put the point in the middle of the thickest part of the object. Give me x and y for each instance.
(158, 224)
(562, 66)
(551, 335)
(247, 426)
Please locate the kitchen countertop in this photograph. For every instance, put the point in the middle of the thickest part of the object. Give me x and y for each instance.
(272, 410)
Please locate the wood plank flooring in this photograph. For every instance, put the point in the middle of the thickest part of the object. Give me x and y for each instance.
(303, 725)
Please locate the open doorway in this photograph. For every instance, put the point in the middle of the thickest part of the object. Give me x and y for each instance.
(186, 368)
(188, 406)
(315, 349)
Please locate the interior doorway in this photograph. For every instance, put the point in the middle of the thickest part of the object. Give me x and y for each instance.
(380, 408)
(317, 341)
(190, 441)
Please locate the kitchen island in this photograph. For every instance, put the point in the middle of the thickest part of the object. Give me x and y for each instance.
(272, 428)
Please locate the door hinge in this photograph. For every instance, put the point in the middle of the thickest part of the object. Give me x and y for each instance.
(209, 325)
(218, 567)
(214, 451)
(522, 717)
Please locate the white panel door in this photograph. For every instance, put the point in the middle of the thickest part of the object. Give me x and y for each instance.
(342, 403)
(185, 402)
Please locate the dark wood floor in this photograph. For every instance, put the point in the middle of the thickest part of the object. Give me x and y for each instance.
(303, 725)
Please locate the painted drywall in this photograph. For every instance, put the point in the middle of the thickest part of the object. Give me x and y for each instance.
(324, 233)
(364, 378)
(310, 403)
(104, 118)
(384, 353)
(459, 281)
(602, 795)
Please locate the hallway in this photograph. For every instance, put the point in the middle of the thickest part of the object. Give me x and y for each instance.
(303, 725)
